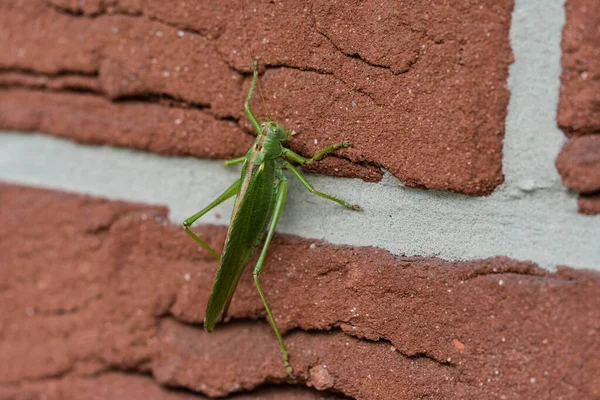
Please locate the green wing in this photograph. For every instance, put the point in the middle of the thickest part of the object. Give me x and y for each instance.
(252, 212)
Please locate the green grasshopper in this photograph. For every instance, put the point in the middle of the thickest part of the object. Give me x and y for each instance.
(261, 191)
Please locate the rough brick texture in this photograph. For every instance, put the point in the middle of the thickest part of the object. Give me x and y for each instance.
(579, 108)
(579, 163)
(115, 385)
(419, 90)
(102, 295)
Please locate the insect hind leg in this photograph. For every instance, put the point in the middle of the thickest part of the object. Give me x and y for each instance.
(280, 200)
(228, 193)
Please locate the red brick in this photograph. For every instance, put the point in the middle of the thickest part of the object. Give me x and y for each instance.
(89, 118)
(89, 286)
(579, 163)
(589, 204)
(424, 97)
(129, 386)
(578, 111)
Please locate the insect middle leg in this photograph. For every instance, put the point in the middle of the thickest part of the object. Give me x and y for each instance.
(312, 189)
(280, 200)
(230, 192)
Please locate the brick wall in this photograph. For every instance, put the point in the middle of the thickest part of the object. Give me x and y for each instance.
(471, 273)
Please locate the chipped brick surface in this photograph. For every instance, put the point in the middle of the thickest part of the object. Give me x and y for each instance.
(90, 288)
(152, 127)
(419, 90)
(589, 204)
(115, 385)
(579, 108)
(579, 164)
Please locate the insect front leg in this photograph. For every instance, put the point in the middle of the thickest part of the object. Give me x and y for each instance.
(230, 192)
(249, 112)
(312, 189)
(235, 161)
(280, 200)
(302, 160)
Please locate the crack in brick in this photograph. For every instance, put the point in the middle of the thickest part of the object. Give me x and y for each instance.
(302, 342)
(303, 373)
(68, 311)
(61, 373)
(331, 328)
(337, 327)
(103, 12)
(72, 80)
(325, 73)
(275, 66)
(154, 139)
(531, 272)
(146, 377)
(159, 98)
(278, 66)
(56, 74)
(73, 89)
(421, 355)
(163, 99)
(156, 98)
(354, 55)
(357, 56)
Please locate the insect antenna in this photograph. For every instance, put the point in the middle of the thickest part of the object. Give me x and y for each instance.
(262, 98)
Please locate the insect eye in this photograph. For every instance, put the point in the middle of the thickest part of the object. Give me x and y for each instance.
(262, 125)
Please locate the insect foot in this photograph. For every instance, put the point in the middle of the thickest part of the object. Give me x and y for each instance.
(346, 144)
(356, 207)
(289, 370)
